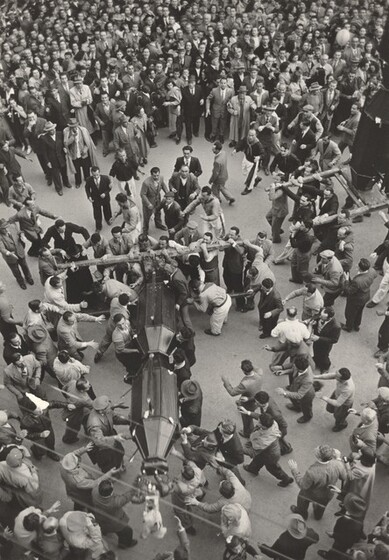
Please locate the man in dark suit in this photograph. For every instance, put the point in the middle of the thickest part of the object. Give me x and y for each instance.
(33, 129)
(326, 333)
(187, 159)
(151, 199)
(185, 186)
(304, 141)
(97, 188)
(53, 142)
(174, 218)
(12, 250)
(269, 307)
(103, 115)
(192, 106)
(358, 294)
(300, 391)
(62, 234)
(56, 111)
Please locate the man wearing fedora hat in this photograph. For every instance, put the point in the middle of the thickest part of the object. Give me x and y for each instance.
(294, 542)
(191, 401)
(314, 97)
(12, 244)
(241, 108)
(53, 142)
(79, 149)
(43, 347)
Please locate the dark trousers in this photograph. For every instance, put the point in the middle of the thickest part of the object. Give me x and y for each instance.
(125, 537)
(48, 443)
(303, 405)
(60, 177)
(192, 125)
(299, 265)
(271, 464)
(147, 213)
(267, 324)
(106, 136)
(353, 314)
(330, 297)
(43, 163)
(99, 209)
(383, 335)
(340, 415)
(36, 243)
(16, 268)
(83, 164)
(321, 357)
(219, 127)
(248, 424)
(318, 503)
(276, 224)
(234, 283)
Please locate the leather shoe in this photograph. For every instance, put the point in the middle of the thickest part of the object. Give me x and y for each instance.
(371, 304)
(339, 428)
(285, 483)
(345, 328)
(231, 201)
(245, 192)
(23, 285)
(247, 469)
(303, 420)
(290, 406)
(322, 553)
(295, 509)
(60, 193)
(263, 335)
(97, 357)
(161, 226)
(208, 331)
(243, 435)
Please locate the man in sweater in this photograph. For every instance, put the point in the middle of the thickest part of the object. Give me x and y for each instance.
(342, 398)
(300, 392)
(332, 276)
(315, 484)
(219, 173)
(248, 387)
(264, 449)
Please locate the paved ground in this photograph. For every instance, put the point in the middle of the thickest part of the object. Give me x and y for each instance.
(214, 358)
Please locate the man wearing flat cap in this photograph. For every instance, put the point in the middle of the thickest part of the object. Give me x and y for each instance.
(331, 276)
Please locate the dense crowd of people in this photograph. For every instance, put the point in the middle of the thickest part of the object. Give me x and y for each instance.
(281, 83)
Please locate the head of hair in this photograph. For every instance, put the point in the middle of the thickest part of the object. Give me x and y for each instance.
(368, 457)
(105, 488)
(345, 373)
(267, 283)
(116, 229)
(121, 197)
(155, 170)
(63, 356)
(291, 312)
(266, 420)
(95, 238)
(235, 229)
(94, 168)
(34, 305)
(206, 190)
(82, 384)
(226, 489)
(187, 472)
(329, 311)
(31, 522)
(262, 397)
(311, 288)
(218, 145)
(124, 298)
(55, 281)
(364, 264)
(246, 366)
(59, 223)
(301, 362)
(117, 318)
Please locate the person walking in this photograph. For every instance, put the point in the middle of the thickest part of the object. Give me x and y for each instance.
(151, 199)
(12, 250)
(98, 188)
(264, 449)
(315, 484)
(219, 175)
(269, 307)
(300, 392)
(294, 542)
(249, 386)
(342, 398)
(325, 333)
